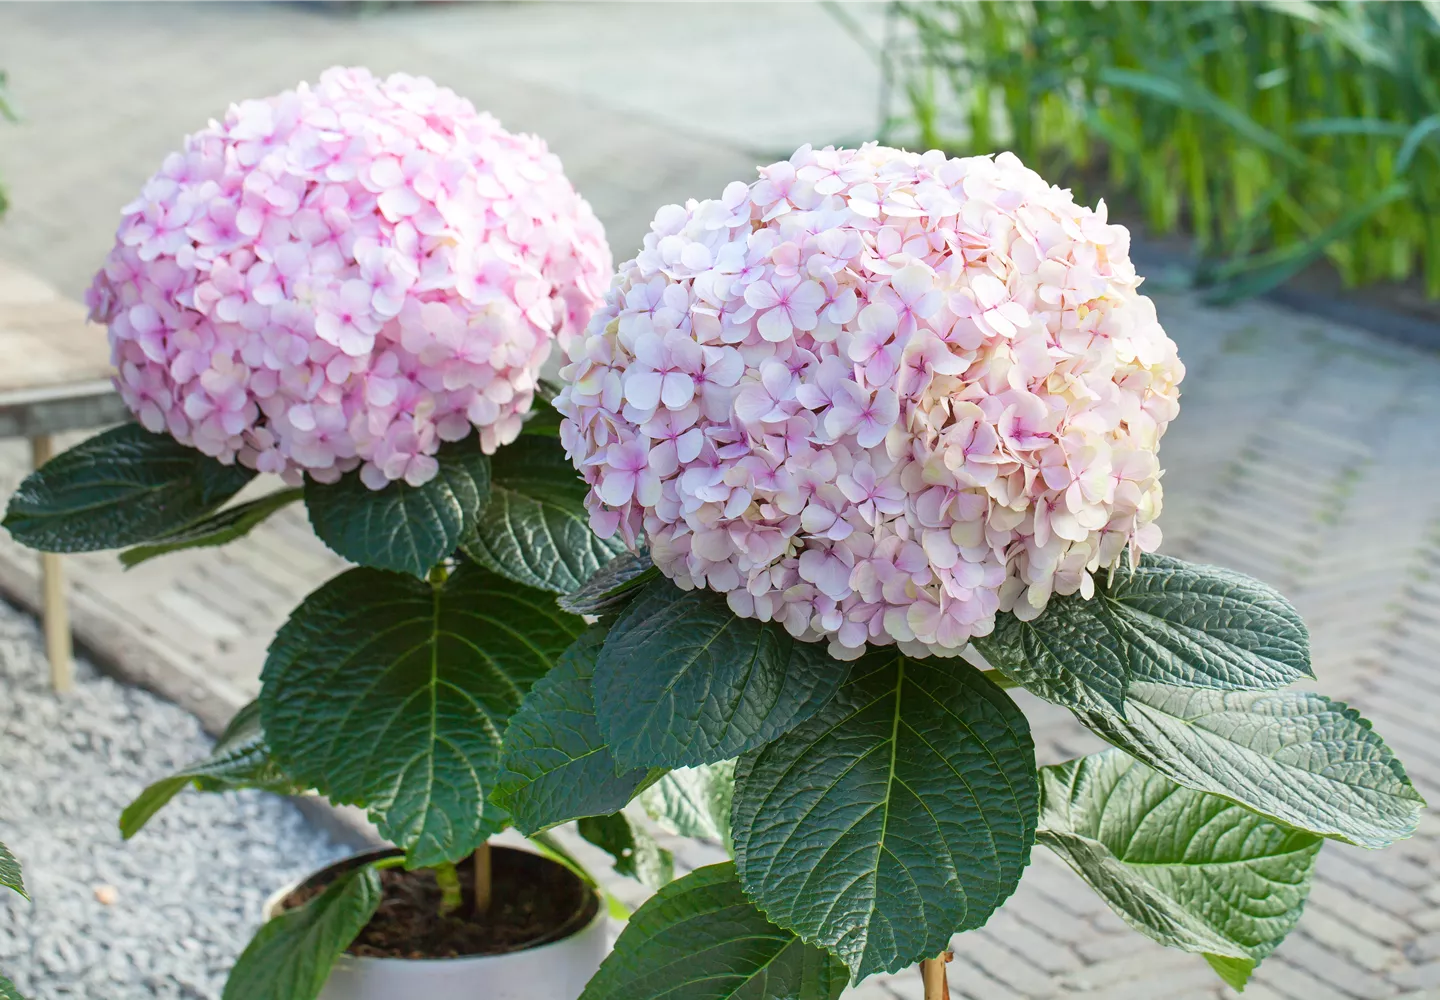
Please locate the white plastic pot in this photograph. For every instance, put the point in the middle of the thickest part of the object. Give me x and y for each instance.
(553, 970)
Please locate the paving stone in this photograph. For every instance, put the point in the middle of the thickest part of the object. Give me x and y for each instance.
(1425, 977)
(1335, 969)
(1296, 983)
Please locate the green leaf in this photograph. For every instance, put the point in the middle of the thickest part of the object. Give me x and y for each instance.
(536, 530)
(390, 693)
(290, 957)
(119, 488)
(404, 528)
(557, 767)
(1298, 758)
(1166, 621)
(699, 938)
(683, 680)
(635, 851)
(7, 988)
(240, 759)
(10, 876)
(220, 528)
(1190, 870)
(613, 587)
(900, 815)
(694, 801)
(543, 420)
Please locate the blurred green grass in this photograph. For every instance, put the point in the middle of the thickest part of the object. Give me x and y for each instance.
(7, 113)
(1275, 135)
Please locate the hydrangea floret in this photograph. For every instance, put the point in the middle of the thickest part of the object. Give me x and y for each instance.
(878, 396)
(347, 275)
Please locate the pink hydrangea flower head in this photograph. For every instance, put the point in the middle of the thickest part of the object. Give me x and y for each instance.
(347, 275)
(877, 396)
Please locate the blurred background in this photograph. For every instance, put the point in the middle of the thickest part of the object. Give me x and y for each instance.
(1279, 164)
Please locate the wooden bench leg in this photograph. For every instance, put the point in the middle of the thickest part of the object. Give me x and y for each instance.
(55, 610)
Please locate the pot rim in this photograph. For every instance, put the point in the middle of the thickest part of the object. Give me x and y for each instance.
(571, 931)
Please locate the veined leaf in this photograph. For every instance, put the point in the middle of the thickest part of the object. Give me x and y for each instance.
(390, 693)
(699, 938)
(1190, 870)
(290, 957)
(633, 848)
(536, 530)
(220, 528)
(898, 816)
(557, 766)
(613, 587)
(694, 801)
(1293, 756)
(1167, 621)
(10, 876)
(240, 759)
(683, 680)
(119, 488)
(404, 528)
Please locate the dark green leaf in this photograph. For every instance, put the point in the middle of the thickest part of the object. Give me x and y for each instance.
(1296, 757)
(900, 815)
(1166, 621)
(634, 849)
(119, 488)
(10, 876)
(683, 680)
(613, 587)
(1190, 870)
(240, 759)
(699, 938)
(536, 530)
(544, 419)
(557, 766)
(220, 528)
(391, 693)
(7, 988)
(290, 957)
(404, 528)
(694, 801)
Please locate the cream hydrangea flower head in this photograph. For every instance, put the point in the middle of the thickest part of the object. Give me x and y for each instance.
(877, 396)
(347, 275)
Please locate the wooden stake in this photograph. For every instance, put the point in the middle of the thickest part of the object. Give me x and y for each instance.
(54, 611)
(481, 860)
(932, 971)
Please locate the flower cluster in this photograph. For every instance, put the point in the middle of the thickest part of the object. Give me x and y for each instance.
(877, 396)
(347, 275)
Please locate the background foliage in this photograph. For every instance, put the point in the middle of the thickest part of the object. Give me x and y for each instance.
(7, 113)
(1275, 133)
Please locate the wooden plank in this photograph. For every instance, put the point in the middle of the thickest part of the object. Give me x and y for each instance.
(56, 371)
(50, 344)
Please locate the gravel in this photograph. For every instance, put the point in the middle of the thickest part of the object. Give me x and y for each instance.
(162, 916)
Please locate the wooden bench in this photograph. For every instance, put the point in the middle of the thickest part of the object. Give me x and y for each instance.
(54, 377)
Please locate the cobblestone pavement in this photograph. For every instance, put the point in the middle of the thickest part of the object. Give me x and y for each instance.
(1306, 453)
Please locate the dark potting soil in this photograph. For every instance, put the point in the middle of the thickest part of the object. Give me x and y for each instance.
(533, 901)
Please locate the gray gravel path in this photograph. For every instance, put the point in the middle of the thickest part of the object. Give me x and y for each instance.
(187, 891)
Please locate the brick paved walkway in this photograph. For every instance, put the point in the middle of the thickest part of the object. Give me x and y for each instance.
(1306, 454)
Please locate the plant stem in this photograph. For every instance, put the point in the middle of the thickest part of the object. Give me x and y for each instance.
(932, 972)
(481, 860)
(449, 882)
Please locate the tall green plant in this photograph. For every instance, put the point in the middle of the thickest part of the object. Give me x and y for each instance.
(1275, 133)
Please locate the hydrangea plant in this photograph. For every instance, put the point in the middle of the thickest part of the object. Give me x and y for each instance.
(860, 446)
